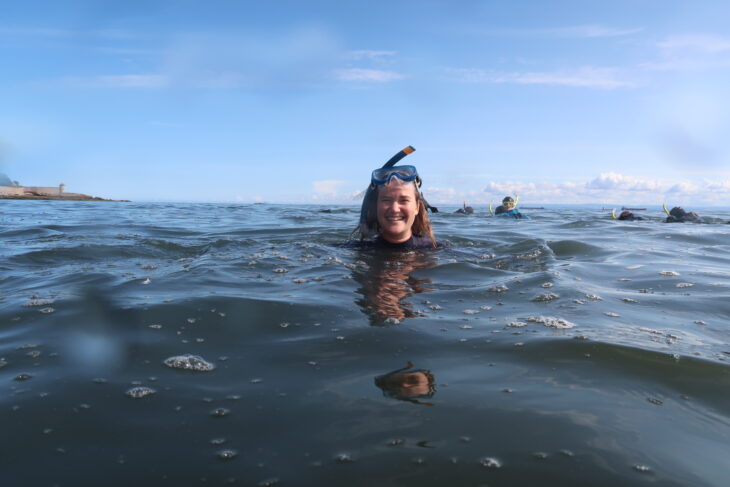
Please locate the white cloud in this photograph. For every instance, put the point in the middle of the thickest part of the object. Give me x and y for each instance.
(368, 75)
(586, 77)
(592, 31)
(371, 55)
(327, 188)
(122, 81)
(588, 31)
(696, 42)
(615, 188)
(691, 52)
(615, 181)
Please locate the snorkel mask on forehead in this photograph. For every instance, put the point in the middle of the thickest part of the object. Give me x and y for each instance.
(404, 173)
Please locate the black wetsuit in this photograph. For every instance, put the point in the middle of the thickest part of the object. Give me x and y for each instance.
(467, 210)
(413, 243)
(678, 215)
(627, 215)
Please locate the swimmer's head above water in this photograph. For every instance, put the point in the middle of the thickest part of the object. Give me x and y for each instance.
(393, 207)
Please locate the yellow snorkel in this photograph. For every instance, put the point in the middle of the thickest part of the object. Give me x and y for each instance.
(491, 211)
(613, 213)
(664, 207)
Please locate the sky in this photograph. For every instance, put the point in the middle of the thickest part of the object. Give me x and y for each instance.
(621, 102)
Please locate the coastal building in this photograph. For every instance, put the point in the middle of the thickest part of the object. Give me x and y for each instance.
(13, 190)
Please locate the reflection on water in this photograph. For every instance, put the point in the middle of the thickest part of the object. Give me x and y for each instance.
(408, 385)
(386, 282)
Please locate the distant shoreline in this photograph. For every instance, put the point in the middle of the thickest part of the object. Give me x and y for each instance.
(59, 198)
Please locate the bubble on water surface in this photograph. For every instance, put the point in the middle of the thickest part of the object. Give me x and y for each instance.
(545, 297)
(284, 325)
(189, 362)
(498, 289)
(490, 462)
(344, 458)
(669, 273)
(546, 285)
(46, 310)
(220, 412)
(226, 454)
(551, 322)
(642, 468)
(685, 284)
(140, 391)
(280, 270)
(38, 302)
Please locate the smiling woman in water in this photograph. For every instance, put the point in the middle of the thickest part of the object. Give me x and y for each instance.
(394, 210)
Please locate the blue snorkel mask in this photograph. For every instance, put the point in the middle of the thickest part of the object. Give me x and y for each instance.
(404, 173)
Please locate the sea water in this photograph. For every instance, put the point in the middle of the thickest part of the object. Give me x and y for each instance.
(217, 344)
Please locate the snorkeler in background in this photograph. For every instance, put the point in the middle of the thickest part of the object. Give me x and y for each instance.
(508, 208)
(626, 215)
(394, 211)
(679, 215)
(466, 210)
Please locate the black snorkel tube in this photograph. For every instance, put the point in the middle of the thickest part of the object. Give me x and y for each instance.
(370, 192)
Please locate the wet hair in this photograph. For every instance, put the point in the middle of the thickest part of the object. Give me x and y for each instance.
(507, 199)
(625, 215)
(677, 212)
(421, 224)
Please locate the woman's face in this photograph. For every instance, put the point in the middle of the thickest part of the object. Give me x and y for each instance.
(397, 209)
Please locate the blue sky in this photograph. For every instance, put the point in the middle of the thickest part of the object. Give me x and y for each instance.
(623, 102)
